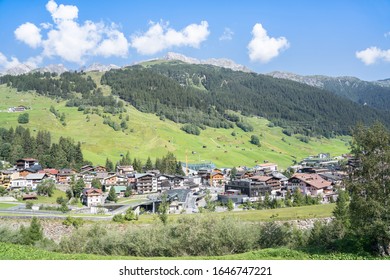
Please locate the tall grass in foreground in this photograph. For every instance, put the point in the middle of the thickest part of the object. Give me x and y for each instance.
(189, 236)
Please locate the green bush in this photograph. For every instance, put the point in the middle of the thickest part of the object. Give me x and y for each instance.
(245, 126)
(71, 221)
(23, 118)
(255, 140)
(119, 218)
(191, 129)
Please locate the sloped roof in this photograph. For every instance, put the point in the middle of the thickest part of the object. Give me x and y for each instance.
(313, 180)
(36, 176)
(92, 191)
(261, 178)
(180, 193)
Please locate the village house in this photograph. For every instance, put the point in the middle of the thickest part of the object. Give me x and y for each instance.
(120, 190)
(6, 176)
(110, 180)
(65, 175)
(145, 183)
(165, 182)
(214, 178)
(178, 199)
(50, 172)
(89, 168)
(35, 179)
(266, 167)
(92, 197)
(311, 184)
(19, 184)
(25, 163)
(253, 189)
(19, 108)
(124, 169)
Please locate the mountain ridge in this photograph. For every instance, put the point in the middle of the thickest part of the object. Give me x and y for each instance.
(375, 94)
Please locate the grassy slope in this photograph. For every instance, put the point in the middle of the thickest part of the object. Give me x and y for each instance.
(154, 138)
(19, 252)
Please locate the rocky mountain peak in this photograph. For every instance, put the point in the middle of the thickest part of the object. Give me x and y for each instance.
(219, 62)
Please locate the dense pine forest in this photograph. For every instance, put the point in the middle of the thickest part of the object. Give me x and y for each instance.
(185, 93)
(20, 143)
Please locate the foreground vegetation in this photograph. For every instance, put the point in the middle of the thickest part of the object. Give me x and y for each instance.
(24, 252)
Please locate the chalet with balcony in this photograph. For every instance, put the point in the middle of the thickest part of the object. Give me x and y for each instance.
(145, 183)
(311, 184)
(92, 197)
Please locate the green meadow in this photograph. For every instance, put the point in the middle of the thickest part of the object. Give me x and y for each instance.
(147, 135)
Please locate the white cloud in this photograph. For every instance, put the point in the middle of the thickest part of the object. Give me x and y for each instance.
(115, 44)
(46, 25)
(264, 48)
(62, 12)
(160, 37)
(227, 35)
(29, 33)
(372, 55)
(70, 40)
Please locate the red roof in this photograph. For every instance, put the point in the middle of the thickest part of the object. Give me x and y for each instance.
(51, 171)
(93, 191)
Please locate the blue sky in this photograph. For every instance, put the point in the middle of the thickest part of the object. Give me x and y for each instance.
(335, 38)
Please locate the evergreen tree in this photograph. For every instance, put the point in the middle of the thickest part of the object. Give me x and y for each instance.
(78, 187)
(179, 169)
(267, 201)
(340, 212)
(298, 198)
(230, 205)
(233, 173)
(126, 159)
(287, 199)
(148, 164)
(96, 183)
(137, 165)
(163, 210)
(128, 191)
(112, 195)
(109, 165)
(33, 233)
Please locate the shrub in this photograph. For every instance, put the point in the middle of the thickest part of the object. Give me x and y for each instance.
(29, 204)
(255, 140)
(119, 218)
(191, 129)
(71, 221)
(23, 118)
(31, 234)
(245, 126)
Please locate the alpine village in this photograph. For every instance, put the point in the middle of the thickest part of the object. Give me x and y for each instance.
(174, 159)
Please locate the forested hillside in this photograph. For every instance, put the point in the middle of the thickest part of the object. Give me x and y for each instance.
(202, 94)
(375, 94)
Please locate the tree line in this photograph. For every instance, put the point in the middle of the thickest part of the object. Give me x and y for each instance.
(20, 143)
(168, 164)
